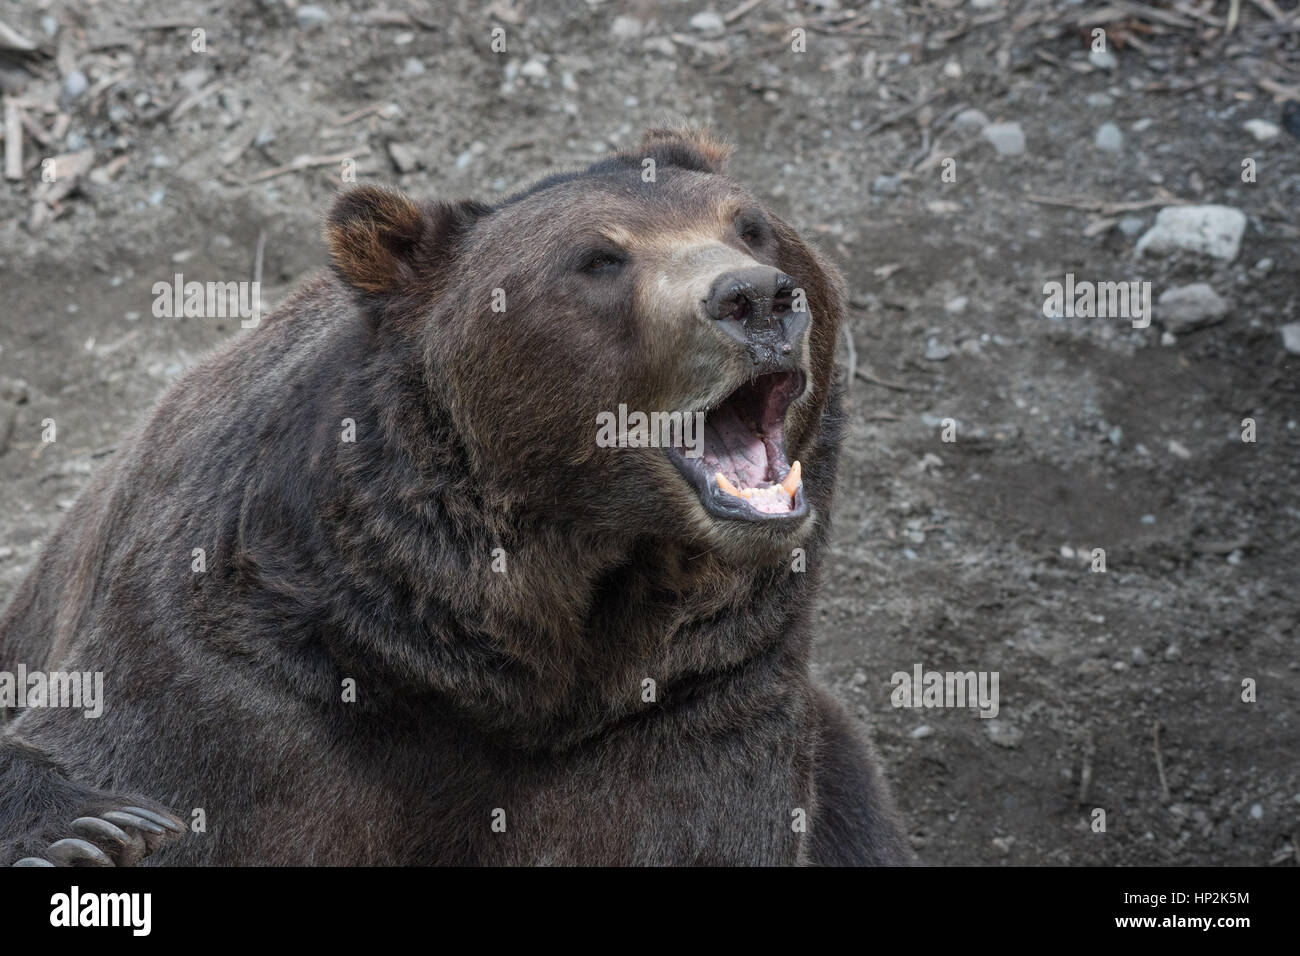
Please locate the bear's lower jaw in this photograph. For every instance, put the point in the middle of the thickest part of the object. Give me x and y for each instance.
(741, 471)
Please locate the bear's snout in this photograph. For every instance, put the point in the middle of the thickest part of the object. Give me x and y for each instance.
(760, 294)
(761, 308)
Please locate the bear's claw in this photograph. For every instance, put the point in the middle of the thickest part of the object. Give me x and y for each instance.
(115, 838)
(167, 823)
(111, 837)
(77, 852)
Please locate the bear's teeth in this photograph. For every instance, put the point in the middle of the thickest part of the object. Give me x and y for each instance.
(729, 488)
(790, 483)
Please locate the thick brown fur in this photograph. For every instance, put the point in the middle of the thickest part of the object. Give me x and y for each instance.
(498, 587)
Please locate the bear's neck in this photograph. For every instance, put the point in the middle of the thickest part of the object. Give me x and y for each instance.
(518, 621)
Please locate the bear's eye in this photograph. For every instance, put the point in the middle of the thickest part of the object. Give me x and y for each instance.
(751, 229)
(602, 262)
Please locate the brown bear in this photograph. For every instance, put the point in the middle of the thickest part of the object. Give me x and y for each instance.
(369, 588)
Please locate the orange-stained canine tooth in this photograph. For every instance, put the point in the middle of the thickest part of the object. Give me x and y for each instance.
(727, 486)
(791, 482)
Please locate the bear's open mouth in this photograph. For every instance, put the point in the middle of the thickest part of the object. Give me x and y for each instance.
(742, 471)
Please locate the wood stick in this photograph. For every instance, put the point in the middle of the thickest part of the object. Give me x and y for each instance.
(853, 359)
(295, 164)
(1160, 764)
(1085, 775)
(13, 140)
(876, 380)
(740, 11)
(194, 99)
(357, 114)
(894, 117)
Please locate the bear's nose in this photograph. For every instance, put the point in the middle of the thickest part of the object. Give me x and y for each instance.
(753, 297)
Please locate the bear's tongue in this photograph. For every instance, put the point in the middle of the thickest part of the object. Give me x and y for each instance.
(737, 457)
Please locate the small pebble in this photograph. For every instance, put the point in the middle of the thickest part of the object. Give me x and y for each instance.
(936, 351)
(885, 184)
(1291, 337)
(310, 16)
(1109, 139)
(1007, 138)
(1103, 59)
(707, 22)
(1261, 129)
(75, 85)
(970, 119)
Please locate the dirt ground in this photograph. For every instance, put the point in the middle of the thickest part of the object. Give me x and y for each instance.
(1072, 433)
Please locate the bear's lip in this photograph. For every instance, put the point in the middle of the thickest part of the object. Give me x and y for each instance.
(742, 472)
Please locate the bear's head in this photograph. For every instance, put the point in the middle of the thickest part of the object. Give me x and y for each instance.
(640, 346)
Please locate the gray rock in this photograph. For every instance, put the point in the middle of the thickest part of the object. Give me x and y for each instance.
(1100, 101)
(310, 16)
(661, 45)
(920, 733)
(885, 184)
(626, 28)
(75, 85)
(1132, 225)
(970, 119)
(1261, 129)
(707, 22)
(1005, 735)
(412, 67)
(14, 390)
(1103, 59)
(1007, 138)
(1208, 230)
(1109, 138)
(935, 351)
(404, 156)
(1183, 308)
(1291, 337)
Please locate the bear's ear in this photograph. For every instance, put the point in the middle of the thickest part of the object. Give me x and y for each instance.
(382, 241)
(686, 146)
